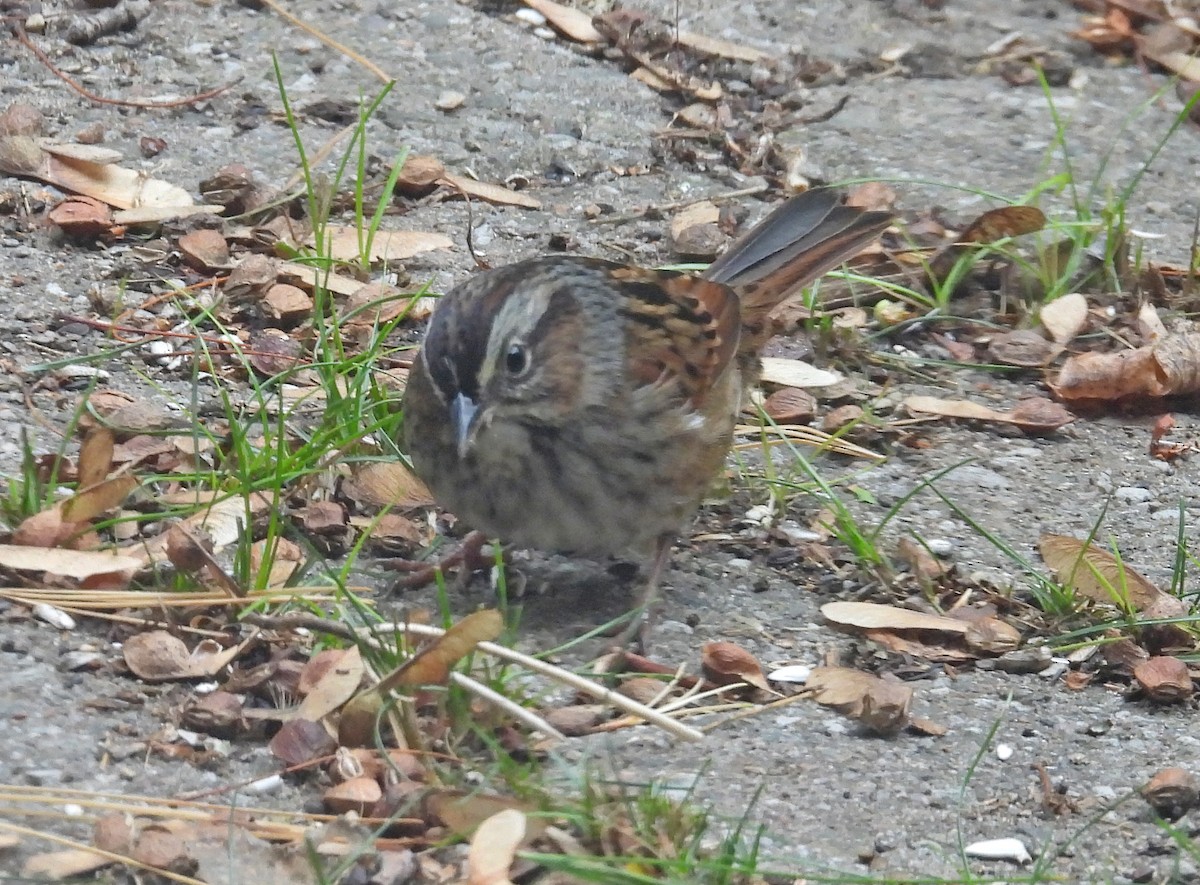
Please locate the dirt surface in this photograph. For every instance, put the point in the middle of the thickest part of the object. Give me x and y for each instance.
(540, 109)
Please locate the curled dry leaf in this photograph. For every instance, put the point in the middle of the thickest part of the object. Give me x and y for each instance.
(1170, 366)
(204, 249)
(158, 656)
(95, 456)
(432, 664)
(82, 218)
(790, 405)
(300, 741)
(357, 795)
(1165, 680)
(881, 705)
(462, 812)
(66, 864)
(387, 483)
(419, 175)
(990, 227)
(724, 663)
(342, 672)
(494, 848)
(1172, 792)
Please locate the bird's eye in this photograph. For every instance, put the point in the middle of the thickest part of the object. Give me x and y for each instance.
(516, 360)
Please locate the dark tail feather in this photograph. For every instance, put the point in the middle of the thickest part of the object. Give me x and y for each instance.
(808, 235)
(803, 238)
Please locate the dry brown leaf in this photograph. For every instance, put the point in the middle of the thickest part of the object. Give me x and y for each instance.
(432, 664)
(923, 564)
(1172, 792)
(494, 848)
(337, 686)
(991, 226)
(724, 663)
(388, 483)
(694, 231)
(95, 456)
(82, 218)
(89, 503)
(358, 795)
(722, 48)
(91, 171)
(158, 656)
(419, 175)
(463, 812)
(874, 616)
(493, 193)
(1165, 680)
(64, 864)
(881, 705)
(795, 373)
(316, 277)
(204, 249)
(1032, 416)
(568, 21)
(76, 564)
(1064, 318)
(790, 405)
(1099, 576)
(1023, 347)
(1169, 366)
(346, 243)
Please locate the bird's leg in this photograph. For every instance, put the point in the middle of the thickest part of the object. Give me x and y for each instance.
(468, 554)
(636, 631)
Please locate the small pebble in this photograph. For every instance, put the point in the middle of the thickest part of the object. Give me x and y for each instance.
(1004, 752)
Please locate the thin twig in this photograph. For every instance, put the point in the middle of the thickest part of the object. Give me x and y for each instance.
(329, 41)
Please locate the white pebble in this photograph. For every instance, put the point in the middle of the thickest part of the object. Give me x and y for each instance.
(1004, 752)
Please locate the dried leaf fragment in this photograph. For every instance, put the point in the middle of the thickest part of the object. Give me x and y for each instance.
(881, 705)
(724, 663)
(1172, 792)
(1165, 680)
(494, 848)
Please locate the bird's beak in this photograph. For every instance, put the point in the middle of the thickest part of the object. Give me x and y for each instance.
(463, 411)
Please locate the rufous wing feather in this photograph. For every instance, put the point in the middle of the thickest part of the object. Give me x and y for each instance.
(678, 327)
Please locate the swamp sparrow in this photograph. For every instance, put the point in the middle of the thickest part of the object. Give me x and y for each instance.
(577, 405)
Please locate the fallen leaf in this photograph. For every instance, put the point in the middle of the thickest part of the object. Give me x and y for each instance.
(881, 705)
(492, 193)
(342, 676)
(1169, 366)
(76, 564)
(1097, 575)
(796, 373)
(1064, 318)
(1165, 680)
(347, 243)
(568, 21)
(494, 848)
(724, 663)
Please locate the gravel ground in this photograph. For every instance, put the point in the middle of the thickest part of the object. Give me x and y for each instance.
(538, 108)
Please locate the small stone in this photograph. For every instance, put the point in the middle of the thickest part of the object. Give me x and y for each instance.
(450, 101)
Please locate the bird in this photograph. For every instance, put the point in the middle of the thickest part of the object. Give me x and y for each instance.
(576, 405)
